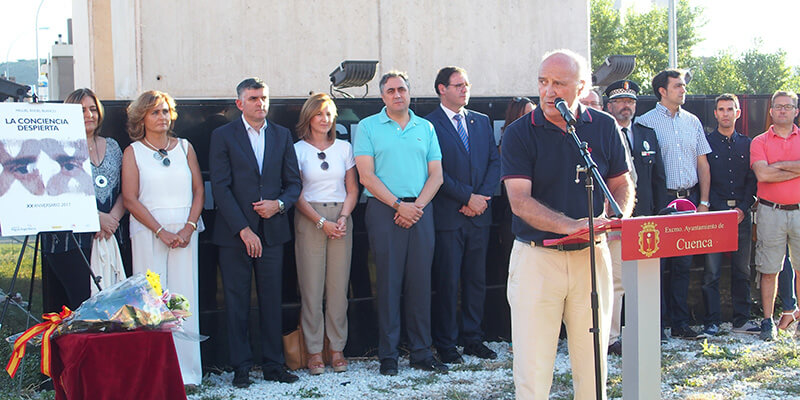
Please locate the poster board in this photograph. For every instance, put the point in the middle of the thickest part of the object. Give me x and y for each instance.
(46, 179)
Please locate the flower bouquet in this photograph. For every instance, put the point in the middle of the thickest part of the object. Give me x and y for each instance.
(137, 302)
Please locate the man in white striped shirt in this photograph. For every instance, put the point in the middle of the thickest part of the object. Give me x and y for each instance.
(683, 149)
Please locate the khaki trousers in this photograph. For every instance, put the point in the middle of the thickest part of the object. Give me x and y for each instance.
(546, 287)
(615, 246)
(323, 271)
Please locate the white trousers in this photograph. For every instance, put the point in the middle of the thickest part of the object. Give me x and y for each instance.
(178, 271)
(546, 287)
(615, 246)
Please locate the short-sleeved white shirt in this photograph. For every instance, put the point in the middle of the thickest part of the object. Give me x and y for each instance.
(324, 185)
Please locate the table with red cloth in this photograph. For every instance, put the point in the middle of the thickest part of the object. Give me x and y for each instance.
(123, 365)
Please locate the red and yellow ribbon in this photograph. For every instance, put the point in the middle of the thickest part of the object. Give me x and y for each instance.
(51, 321)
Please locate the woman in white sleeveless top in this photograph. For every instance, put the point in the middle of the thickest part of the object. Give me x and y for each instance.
(163, 189)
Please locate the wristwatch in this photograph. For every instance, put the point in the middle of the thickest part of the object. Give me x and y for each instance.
(281, 207)
(396, 204)
(705, 203)
(321, 222)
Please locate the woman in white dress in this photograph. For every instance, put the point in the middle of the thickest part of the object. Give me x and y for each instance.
(324, 230)
(163, 190)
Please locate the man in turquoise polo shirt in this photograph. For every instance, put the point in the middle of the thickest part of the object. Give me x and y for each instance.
(399, 163)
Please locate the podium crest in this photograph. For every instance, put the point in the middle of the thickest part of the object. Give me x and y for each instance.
(648, 239)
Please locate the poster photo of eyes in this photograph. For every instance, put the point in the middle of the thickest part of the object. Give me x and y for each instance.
(45, 177)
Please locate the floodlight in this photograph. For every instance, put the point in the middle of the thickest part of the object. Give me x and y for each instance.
(353, 73)
(12, 89)
(614, 68)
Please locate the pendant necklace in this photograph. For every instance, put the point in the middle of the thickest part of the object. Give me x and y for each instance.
(100, 180)
(160, 154)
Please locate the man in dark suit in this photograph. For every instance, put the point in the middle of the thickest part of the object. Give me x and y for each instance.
(462, 215)
(648, 175)
(255, 180)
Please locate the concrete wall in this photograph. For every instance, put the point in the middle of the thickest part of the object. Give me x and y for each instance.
(203, 48)
(62, 72)
(93, 47)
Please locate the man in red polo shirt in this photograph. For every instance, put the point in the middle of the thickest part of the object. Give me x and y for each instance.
(775, 159)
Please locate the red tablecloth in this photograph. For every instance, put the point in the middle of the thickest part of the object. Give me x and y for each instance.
(125, 365)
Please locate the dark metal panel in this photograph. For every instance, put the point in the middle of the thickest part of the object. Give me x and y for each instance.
(198, 118)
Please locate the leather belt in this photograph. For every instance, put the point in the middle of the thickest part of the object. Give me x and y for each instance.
(787, 207)
(562, 247)
(679, 193)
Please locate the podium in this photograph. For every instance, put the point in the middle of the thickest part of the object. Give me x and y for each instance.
(645, 240)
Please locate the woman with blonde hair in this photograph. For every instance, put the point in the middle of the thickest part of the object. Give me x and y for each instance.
(66, 279)
(324, 230)
(163, 189)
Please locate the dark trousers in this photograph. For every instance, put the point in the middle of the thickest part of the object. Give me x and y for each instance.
(675, 290)
(236, 268)
(740, 279)
(65, 280)
(460, 255)
(675, 286)
(786, 284)
(402, 270)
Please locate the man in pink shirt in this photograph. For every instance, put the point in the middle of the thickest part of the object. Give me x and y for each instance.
(775, 159)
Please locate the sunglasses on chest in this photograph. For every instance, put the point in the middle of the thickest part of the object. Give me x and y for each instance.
(324, 165)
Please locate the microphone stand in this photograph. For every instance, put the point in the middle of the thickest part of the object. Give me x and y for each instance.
(590, 166)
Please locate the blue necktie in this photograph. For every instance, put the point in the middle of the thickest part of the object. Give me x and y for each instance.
(462, 132)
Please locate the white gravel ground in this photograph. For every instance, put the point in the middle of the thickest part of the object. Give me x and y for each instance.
(748, 369)
(476, 379)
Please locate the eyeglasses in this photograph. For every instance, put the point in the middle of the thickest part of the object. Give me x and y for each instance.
(161, 155)
(787, 107)
(461, 85)
(324, 165)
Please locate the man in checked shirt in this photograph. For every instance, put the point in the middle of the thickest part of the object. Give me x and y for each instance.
(683, 148)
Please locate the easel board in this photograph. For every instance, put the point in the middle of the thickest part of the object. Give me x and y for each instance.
(46, 179)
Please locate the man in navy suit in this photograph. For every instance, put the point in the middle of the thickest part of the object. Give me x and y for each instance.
(648, 175)
(462, 215)
(255, 180)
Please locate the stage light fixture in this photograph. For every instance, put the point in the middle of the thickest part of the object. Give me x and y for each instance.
(614, 68)
(14, 90)
(352, 73)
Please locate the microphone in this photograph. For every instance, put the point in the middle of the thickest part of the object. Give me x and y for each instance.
(563, 108)
(678, 206)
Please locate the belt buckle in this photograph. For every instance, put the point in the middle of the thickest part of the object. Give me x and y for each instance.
(731, 203)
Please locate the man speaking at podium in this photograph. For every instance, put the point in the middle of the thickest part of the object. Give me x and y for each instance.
(548, 285)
